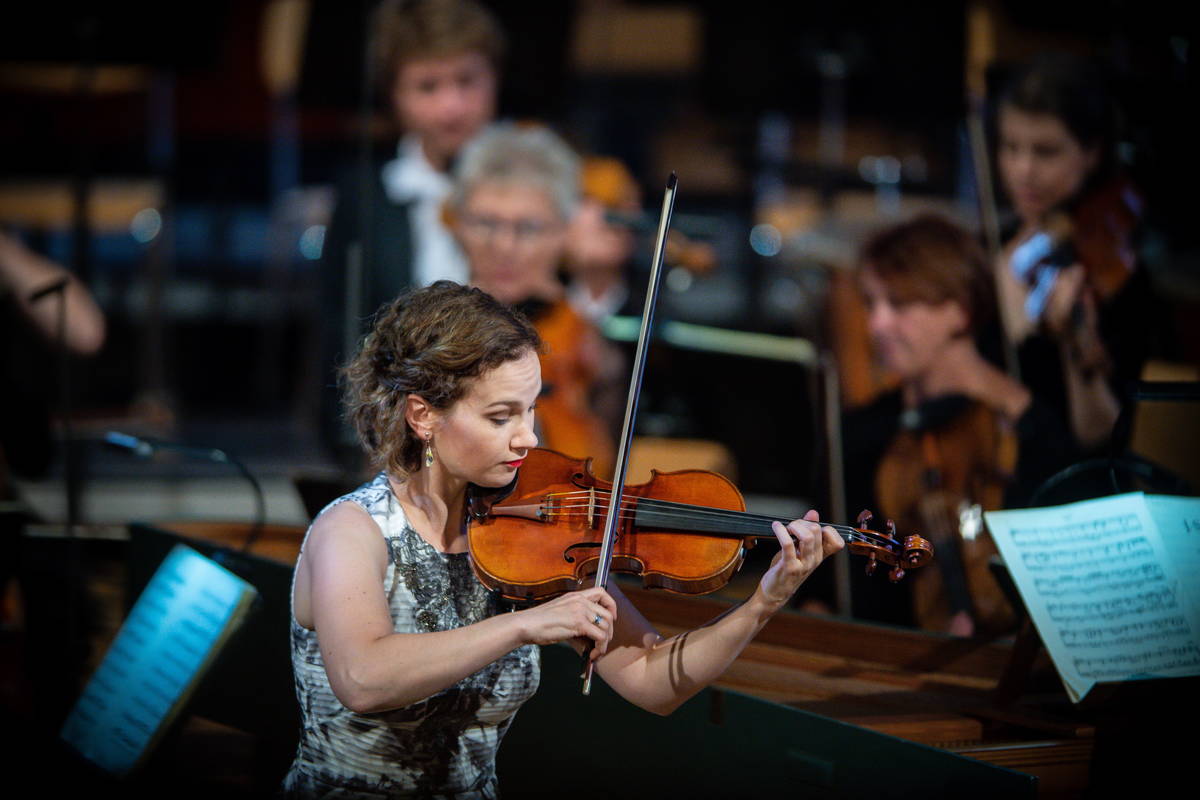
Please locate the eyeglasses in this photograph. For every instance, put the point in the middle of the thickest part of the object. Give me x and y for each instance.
(484, 227)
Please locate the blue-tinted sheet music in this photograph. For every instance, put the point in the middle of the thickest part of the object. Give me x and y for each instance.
(1110, 584)
(175, 629)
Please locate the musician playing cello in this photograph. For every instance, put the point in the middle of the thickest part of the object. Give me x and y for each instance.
(959, 435)
(406, 671)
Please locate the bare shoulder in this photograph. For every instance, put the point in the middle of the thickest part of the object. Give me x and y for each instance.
(344, 544)
(345, 528)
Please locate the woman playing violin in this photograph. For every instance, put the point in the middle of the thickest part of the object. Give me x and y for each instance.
(407, 672)
(958, 433)
(1087, 335)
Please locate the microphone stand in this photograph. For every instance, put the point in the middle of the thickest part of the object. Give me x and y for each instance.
(145, 448)
(58, 630)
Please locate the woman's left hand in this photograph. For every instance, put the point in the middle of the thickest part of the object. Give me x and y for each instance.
(803, 545)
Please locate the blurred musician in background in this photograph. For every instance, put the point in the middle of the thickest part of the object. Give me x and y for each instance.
(38, 297)
(516, 193)
(1075, 306)
(958, 436)
(437, 63)
(46, 314)
(600, 244)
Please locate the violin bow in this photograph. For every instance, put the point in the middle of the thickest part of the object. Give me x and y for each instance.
(635, 389)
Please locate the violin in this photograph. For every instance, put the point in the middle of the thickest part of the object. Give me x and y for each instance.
(565, 415)
(685, 531)
(521, 539)
(942, 473)
(1097, 233)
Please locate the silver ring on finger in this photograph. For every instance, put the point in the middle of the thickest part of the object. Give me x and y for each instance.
(596, 620)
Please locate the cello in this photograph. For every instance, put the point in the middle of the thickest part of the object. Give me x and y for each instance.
(556, 527)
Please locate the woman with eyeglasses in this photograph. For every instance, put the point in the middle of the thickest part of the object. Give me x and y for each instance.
(516, 190)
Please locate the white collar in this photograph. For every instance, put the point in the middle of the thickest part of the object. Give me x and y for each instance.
(410, 176)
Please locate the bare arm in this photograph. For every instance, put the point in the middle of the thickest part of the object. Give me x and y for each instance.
(339, 593)
(660, 674)
(24, 272)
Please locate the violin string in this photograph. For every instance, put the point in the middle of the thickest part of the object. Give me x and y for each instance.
(733, 526)
(665, 506)
(704, 511)
(734, 522)
(848, 534)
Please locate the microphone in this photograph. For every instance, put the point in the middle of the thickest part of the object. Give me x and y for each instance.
(146, 448)
(131, 444)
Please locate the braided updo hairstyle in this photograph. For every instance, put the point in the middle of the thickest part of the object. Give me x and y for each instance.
(431, 342)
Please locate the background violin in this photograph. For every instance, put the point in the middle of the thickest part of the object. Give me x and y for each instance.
(942, 473)
(1097, 233)
(684, 531)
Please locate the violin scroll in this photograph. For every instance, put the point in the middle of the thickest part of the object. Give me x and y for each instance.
(886, 547)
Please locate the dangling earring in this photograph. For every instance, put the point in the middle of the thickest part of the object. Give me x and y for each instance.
(429, 450)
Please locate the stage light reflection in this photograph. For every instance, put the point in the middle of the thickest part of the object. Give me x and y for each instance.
(312, 242)
(766, 240)
(146, 225)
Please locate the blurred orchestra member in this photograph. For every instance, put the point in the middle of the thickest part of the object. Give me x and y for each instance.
(600, 244)
(959, 435)
(38, 296)
(437, 63)
(515, 195)
(47, 313)
(1075, 306)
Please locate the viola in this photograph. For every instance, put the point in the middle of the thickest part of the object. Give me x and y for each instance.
(942, 474)
(565, 415)
(684, 531)
(1097, 233)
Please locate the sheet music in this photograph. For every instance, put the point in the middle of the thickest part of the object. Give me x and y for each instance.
(172, 633)
(1102, 585)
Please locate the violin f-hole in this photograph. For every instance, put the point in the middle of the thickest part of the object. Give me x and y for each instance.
(570, 559)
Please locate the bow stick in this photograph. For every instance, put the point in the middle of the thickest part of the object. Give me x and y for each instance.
(635, 388)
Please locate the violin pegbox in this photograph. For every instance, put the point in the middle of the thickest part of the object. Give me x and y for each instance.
(897, 572)
(885, 546)
(864, 517)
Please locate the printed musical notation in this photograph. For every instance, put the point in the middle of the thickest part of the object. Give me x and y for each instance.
(173, 632)
(1101, 582)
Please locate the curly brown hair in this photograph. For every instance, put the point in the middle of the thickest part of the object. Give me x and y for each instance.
(431, 342)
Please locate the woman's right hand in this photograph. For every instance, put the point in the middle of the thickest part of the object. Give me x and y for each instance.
(580, 615)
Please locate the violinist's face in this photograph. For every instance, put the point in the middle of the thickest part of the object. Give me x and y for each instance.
(485, 435)
(910, 337)
(514, 237)
(596, 247)
(1041, 163)
(445, 100)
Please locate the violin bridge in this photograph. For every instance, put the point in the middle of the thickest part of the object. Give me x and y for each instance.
(592, 507)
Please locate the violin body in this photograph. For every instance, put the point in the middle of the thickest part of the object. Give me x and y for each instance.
(942, 478)
(684, 531)
(544, 538)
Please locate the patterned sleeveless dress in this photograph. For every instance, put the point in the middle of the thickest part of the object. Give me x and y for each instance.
(442, 746)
